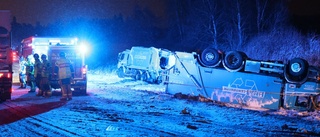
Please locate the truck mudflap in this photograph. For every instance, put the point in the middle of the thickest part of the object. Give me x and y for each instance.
(4, 95)
(5, 91)
(5, 85)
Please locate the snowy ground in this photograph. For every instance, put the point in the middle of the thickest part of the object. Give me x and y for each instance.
(124, 107)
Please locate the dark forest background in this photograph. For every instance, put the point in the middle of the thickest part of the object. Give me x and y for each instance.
(263, 29)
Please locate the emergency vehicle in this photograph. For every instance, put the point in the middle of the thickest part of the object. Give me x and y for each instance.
(6, 56)
(52, 46)
(232, 77)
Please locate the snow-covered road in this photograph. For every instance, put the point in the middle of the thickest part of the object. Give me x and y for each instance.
(124, 107)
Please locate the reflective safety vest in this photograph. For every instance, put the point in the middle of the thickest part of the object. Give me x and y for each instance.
(46, 67)
(22, 67)
(29, 68)
(64, 66)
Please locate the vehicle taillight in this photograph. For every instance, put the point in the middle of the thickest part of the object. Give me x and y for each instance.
(14, 56)
(3, 75)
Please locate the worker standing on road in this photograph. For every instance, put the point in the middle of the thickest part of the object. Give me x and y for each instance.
(45, 76)
(30, 74)
(37, 73)
(65, 76)
(22, 73)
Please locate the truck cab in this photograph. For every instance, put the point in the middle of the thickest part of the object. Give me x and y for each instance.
(52, 46)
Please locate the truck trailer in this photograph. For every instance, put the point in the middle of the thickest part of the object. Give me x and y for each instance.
(52, 46)
(6, 56)
(232, 77)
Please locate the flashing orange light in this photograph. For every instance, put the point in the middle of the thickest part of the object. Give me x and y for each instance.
(1, 74)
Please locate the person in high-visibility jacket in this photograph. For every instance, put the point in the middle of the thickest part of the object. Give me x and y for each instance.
(22, 73)
(30, 74)
(65, 73)
(37, 73)
(45, 76)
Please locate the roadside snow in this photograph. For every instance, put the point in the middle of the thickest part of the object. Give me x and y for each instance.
(125, 107)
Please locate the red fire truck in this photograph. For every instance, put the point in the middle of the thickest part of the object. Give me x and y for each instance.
(6, 56)
(52, 46)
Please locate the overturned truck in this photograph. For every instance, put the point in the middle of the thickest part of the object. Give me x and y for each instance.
(233, 77)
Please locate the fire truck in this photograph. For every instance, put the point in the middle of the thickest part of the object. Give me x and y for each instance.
(6, 56)
(52, 46)
(232, 77)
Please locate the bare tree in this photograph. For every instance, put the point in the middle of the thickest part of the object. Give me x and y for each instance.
(236, 35)
(280, 16)
(212, 29)
(261, 10)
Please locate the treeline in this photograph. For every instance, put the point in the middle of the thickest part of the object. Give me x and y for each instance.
(261, 28)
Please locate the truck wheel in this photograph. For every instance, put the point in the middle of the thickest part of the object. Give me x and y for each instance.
(297, 69)
(144, 76)
(159, 80)
(210, 57)
(120, 72)
(234, 60)
(138, 75)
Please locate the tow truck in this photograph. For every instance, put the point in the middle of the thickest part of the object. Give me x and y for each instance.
(6, 56)
(52, 46)
(232, 77)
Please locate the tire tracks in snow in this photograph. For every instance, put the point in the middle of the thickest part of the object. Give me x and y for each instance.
(42, 126)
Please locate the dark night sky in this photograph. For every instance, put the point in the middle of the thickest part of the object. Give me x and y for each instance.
(306, 12)
(305, 7)
(47, 11)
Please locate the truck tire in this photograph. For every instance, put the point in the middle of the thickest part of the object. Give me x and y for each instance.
(298, 67)
(297, 70)
(234, 61)
(145, 76)
(210, 57)
(120, 72)
(159, 80)
(138, 75)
